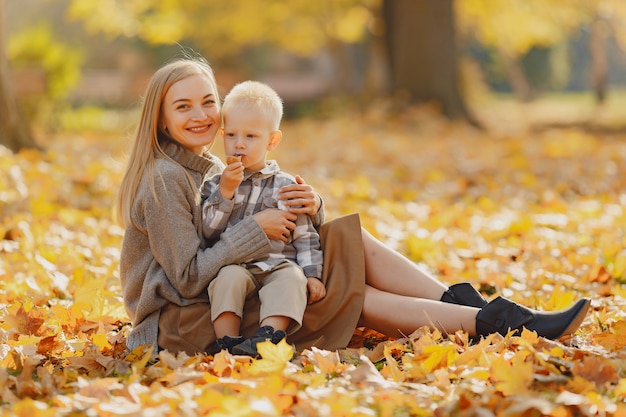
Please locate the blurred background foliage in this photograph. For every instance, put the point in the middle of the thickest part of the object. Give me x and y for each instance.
(76, 63)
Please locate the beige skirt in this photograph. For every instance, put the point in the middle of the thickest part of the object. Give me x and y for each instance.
(327, 324)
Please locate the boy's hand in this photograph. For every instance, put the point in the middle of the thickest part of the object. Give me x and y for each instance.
(231, 178)
(316, 289)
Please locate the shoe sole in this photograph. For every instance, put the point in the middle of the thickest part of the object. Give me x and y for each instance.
(580, 316)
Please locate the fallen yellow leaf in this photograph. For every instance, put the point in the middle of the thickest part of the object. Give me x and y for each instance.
(274, 357)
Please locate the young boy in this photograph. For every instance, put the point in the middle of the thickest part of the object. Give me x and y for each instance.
(251, 118)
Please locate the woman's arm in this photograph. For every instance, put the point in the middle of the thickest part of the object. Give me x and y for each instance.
(174, 238)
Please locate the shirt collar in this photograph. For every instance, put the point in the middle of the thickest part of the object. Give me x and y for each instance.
(271, 168)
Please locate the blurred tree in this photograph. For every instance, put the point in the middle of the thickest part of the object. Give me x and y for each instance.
(425, 66)
(222, 29)
(35, 49)
(599, 65)
(14, 131)
(422, 52)
(607, 17)
(514, 27)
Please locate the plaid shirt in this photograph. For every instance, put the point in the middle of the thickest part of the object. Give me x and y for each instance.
(258, 191)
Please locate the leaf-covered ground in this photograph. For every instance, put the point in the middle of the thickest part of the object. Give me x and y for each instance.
(538, 217)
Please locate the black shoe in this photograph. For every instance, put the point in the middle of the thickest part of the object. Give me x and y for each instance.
(502, 315)
(464, 294)
(228, 343)
(265, 333)
(278, 336)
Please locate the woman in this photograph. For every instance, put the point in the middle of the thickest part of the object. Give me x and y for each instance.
(166, 268)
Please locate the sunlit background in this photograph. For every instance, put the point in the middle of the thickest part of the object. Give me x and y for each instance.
(483, 139)
(74, 62)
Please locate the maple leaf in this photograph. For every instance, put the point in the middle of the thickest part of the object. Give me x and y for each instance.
(326, 362)
(615, 339)
(223, 363)
(439, 356)
(99, 388)
(512, 377)
(391, 366)
(140, 356)
(596, 370)
(28, 345)
(209, 400)
(48, 345)
(24, 319)
(101, 341)
(366, 374)
(274, 357)
(25, 385)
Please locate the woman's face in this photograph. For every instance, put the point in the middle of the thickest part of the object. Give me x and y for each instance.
(191, 112)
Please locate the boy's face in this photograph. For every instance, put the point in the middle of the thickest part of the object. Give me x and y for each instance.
(248, 133)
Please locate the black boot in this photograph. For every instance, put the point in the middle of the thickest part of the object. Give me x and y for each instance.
(265, 333)
(228, 343)
(502, 315)
(465, 294)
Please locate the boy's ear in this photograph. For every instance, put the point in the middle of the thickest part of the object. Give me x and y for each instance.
(275, 138)
(222, 132)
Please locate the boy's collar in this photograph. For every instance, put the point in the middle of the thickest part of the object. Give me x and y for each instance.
(271, 168)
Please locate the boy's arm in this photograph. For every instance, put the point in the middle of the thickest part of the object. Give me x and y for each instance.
(215, 209)
(306, 241)
(305, 238)
(318, 219)
(298, 188)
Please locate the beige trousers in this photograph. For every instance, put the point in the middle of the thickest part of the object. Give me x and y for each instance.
(281, 292)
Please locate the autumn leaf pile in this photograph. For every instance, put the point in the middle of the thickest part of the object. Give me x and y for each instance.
(537, 216)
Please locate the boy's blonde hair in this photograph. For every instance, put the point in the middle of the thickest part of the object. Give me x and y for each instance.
(259, 95)
(146, 146)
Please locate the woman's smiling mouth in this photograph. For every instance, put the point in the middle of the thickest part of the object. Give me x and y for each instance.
(199, 129)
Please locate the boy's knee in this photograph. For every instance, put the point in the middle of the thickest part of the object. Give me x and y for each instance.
(232, 270)
(232, 277)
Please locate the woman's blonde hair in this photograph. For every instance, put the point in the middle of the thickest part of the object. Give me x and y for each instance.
(146, 146)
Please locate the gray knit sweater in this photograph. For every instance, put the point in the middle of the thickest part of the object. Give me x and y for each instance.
(168, 262)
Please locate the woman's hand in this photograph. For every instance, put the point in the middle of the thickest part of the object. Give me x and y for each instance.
(276, 224)
(316, 289)
(300, 198)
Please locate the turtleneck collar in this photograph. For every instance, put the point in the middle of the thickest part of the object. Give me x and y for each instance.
(186, 158)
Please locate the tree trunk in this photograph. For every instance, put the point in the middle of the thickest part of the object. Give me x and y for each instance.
(599, 66)
(14, 132)
(343, 74)
(377, 69)
(422, 53)
(517, 78)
